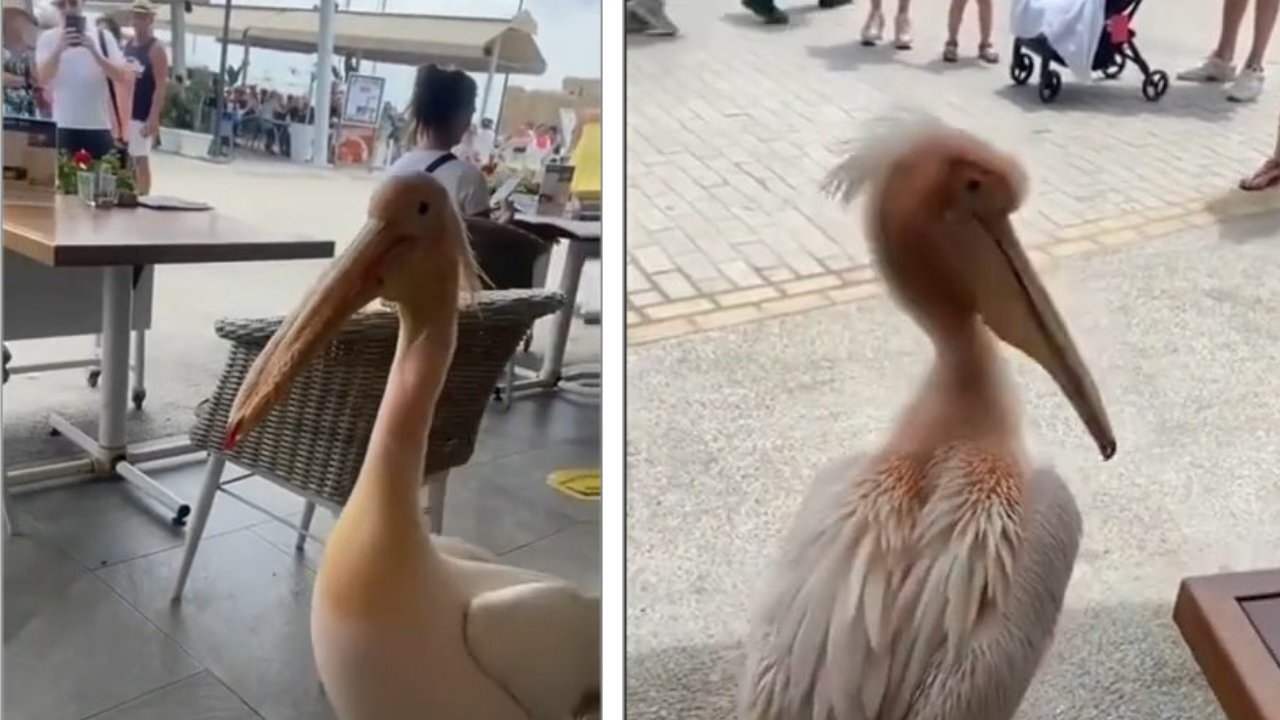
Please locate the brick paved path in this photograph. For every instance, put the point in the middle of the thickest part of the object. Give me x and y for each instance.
(731, 126)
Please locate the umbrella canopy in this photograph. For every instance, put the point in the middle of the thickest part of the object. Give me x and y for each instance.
(468, 43)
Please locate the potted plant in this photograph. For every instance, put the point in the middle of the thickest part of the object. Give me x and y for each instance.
(182, 121)
(73, 166)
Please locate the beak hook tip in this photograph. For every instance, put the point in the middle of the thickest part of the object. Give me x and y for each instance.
(232, 437)
(1108, 449)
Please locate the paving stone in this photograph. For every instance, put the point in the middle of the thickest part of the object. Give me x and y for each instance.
(730, 130)
(674, 285)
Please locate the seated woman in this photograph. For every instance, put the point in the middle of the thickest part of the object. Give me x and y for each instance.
(439, 114)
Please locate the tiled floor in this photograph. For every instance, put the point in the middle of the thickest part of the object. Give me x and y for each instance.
(89, 631)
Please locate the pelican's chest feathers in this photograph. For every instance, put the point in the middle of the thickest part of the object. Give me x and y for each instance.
(890, 562)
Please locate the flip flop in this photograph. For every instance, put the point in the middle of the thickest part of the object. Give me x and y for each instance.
(1264, 178)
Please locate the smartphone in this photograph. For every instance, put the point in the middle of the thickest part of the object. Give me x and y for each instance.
(76, 23)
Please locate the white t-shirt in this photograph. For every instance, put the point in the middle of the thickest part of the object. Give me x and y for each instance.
(79, 87)
(464, 181)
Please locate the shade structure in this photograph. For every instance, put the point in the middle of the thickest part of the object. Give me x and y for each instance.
(467, 43)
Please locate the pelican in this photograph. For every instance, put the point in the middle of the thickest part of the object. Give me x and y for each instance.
(923, 580)
(405, 626)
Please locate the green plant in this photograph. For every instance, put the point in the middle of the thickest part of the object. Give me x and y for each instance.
(71, 165)
(183, 100)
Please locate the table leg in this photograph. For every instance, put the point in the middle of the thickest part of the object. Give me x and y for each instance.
(552, 364)
(117, 310)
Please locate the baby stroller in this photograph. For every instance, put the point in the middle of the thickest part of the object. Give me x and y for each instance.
(1115, 51)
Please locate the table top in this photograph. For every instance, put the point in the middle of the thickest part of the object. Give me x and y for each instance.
(63, 231)
(585, 230)
(1231, 623)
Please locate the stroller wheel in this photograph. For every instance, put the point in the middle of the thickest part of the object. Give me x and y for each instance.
(1050, 86)
(1111, 72)
(1155, 85)
(1021, 68)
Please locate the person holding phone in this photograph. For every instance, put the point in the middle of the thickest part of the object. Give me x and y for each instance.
(77, 66)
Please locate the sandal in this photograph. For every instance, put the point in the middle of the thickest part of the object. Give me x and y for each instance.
(873, 31)
(951, 51)
(1264, 178)
(987, 54)
(902, 32)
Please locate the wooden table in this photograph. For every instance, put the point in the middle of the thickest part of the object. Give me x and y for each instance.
(64, 232)
(583, 238)
(1231, 623)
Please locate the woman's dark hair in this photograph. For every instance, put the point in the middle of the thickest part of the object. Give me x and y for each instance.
(440, 98)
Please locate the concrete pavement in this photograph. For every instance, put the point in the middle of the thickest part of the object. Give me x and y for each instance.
(731, 125)
(726, 429)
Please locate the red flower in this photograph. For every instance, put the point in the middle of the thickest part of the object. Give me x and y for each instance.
(82, 159)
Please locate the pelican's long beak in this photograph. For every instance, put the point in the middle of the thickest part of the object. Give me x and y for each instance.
(350, 283)
(1015, 305)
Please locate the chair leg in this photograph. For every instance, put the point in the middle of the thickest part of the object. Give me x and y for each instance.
(9, 529)
(212, 480)
(308, 512)
(510, 384)
(436, 486)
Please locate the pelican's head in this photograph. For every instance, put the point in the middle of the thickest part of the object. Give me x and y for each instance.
(941, 233)
(413, 251)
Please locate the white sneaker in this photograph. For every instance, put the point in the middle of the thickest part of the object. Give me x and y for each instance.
(1247, 87)
(1212, 69)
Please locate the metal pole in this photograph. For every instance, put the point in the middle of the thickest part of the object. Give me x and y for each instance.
(220, 86)
(178, 36)
(493, 70)
(382, 8)
(324, 61)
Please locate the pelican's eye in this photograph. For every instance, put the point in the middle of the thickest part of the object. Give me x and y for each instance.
(423, 207)
(973, 185)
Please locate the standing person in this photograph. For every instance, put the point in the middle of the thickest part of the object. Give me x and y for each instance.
(1219, 67)
(439, 115)
(152, 67)
(20, 32)
(76, 66)
(121, 93)
(986, 51)
(873, 29)
(768, 11)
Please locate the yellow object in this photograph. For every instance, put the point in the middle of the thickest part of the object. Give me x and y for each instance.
(586, 160)
(578, 483)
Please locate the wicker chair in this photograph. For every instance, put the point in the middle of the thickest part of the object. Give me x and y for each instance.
(509, 255)
(313, 444)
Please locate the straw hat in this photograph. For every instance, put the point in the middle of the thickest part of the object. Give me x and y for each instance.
(143, 6)
(14, 9)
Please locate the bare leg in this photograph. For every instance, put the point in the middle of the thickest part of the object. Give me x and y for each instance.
(902, 26)
(985, 21)
(1264, 21)
(989, 681)
(1232, 17)
(954, 17)
(142, 168)
(873, 29)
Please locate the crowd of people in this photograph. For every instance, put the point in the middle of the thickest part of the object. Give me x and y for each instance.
(1243, 83)
(103, 87)
(262, 117)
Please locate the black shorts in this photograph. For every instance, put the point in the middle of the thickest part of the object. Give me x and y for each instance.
(95, 142)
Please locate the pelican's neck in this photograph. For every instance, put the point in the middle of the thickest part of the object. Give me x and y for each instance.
(395, 460)
(965, 354)
(967, 395)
